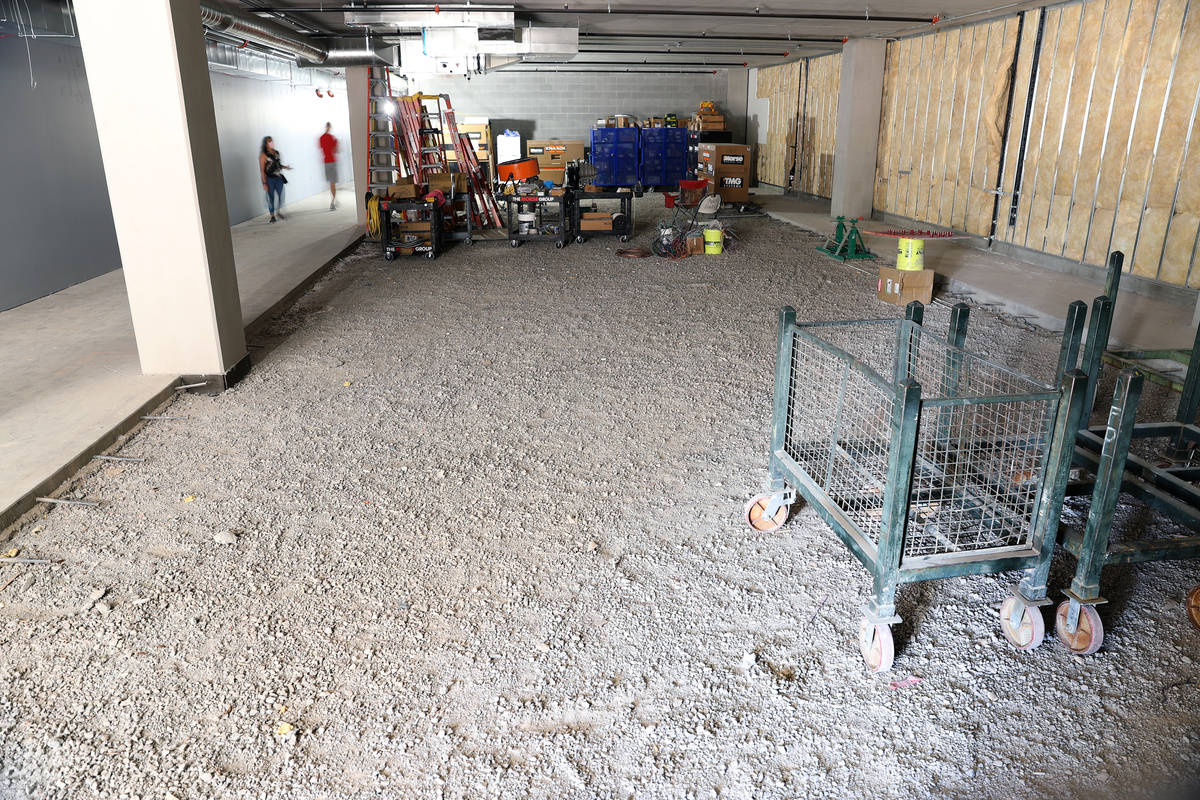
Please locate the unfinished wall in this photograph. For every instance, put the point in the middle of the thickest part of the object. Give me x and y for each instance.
(781, 87)
(818, 117)
(1108, 164)
(52, 173)
(1097, 154)
(565, 105)
(940, 141)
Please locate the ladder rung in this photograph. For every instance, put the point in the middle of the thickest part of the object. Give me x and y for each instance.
(431, 149)
(376, 151)
(430, 131)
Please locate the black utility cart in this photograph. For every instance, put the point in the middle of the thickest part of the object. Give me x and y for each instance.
(622, 224)
(548, 217)
(423, 236)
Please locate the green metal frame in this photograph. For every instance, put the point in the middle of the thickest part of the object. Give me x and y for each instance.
(885, 560)
(1105, 453)
(846, 243)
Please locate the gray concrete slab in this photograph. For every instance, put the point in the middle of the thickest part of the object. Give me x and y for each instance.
(1041, 295)
(72, 379)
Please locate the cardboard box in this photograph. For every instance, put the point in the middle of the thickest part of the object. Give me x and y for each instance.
(695, 245)
(724, 159)
(732, 188)
(554, 153)
(596, 215)
(657, 122)
(404, 189)
(605, 224)
(901, 287)
(443, 181)
(480, 135)
(556, 176)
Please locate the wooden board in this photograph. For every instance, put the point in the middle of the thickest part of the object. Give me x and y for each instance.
(781, 86)
(819, 106)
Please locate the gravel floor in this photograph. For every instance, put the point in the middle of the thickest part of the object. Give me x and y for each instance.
(472, 528)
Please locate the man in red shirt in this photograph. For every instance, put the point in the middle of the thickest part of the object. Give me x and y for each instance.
(329, 147)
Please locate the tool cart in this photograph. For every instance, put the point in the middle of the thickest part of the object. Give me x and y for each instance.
(421, 234)
(605, 224)
(538, 217)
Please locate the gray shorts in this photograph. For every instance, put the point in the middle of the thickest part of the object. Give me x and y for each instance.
(331, 172)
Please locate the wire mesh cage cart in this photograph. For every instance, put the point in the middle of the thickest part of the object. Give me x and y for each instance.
(1157, 463)
(926, 459)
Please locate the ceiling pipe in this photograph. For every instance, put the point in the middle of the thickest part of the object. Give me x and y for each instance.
(232, 25)
(677, 51)
(628, 12)
(710, 37)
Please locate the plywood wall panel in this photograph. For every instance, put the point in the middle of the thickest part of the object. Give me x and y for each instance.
(781, 86)
(972, 111)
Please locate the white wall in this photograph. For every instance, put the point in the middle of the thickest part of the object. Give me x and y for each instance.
(249, 108)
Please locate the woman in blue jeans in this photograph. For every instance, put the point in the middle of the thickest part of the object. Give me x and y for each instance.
(271, 167)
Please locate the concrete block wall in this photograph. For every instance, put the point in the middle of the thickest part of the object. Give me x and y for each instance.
(559, 105)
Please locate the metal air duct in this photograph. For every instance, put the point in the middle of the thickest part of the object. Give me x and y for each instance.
(234, 25)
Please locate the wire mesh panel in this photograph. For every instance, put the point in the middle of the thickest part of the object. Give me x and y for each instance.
(838, 424)
(982, 440)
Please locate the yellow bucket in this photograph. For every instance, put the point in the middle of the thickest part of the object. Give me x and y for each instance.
(911, 255)
(714, 241)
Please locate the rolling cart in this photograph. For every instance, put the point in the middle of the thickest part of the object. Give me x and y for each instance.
(530, 219)
(625, 230)
(927, 460)
(426, 237)
(1158, 463)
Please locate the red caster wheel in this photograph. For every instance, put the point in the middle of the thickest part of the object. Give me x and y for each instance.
(1026, 634)
(1088, 635)
(875, 643)
(756, 509)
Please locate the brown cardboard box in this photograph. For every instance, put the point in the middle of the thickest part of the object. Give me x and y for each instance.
(901, 287)
(732, 188)
(442, 181)
(555, 176)
(596, 215)
(725, 159)
(481, 139)
(695, 245)
(404, 189)
(412, 227)
(554, 153)
(605, 224)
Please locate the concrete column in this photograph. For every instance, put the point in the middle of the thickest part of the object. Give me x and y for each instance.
(148, 76)
(356, 86)
(857, 143)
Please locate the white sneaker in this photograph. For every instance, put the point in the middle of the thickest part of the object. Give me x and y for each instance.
(333, 206)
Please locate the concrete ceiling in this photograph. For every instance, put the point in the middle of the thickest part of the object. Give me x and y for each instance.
(696, 33)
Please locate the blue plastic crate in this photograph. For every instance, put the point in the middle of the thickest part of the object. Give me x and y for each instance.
(615, 156)
(664, 156)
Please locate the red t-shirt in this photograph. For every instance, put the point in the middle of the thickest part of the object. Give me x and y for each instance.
(329, 147)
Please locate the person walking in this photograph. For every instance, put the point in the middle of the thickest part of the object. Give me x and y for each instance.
(329, 147)
(271, 167)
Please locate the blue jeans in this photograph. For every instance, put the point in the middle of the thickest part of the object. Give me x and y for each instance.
(274, 193)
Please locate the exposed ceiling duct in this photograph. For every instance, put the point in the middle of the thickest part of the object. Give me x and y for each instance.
(232, 25)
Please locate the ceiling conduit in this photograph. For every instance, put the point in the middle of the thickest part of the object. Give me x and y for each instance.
(257, 31)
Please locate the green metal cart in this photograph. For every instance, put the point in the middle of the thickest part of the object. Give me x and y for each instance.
(927, 460)
(1160, 472)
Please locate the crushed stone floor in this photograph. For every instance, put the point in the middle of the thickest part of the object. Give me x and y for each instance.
(472, 528)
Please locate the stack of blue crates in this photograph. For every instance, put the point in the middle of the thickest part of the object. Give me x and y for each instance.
(664, 159)
(615, 156)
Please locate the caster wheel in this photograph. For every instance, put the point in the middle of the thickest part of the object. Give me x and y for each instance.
(558, 245)
(624, 238)
(513, 243)
(755, 510)
(469, 242)
(389, 255)
(579, 240)
(1193, 606)
(431, 254)
(1029, 633)
(1088, 635)
(875, 643)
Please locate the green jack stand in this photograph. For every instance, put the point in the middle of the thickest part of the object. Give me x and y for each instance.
(845, 244)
